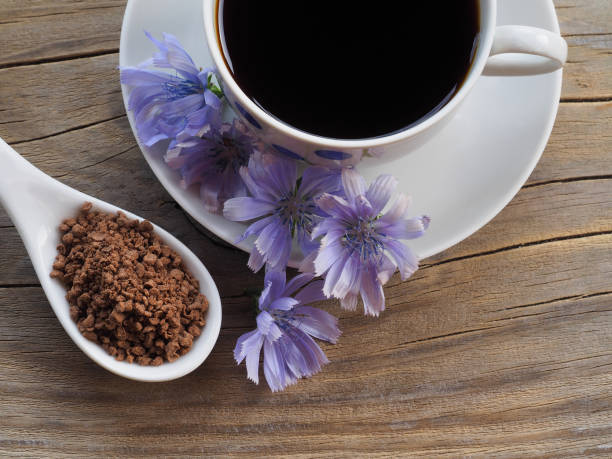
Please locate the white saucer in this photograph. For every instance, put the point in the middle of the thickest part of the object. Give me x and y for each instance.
(461, 179)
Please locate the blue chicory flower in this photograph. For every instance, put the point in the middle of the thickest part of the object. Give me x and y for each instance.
(214, 161)
(282, 207)
(361, 247)
(285, 330)
(166, 105)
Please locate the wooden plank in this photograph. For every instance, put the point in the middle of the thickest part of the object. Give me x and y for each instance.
(469, 365)
(58, 97)
(586, 75)
(34, 31)
(552, 211)
(579, 145)
(584, 17)
(586, 25)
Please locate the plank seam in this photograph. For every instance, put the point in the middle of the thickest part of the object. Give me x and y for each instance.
(63, 58)
(463, 332)
(580, 100)
(556, 300)
(18, 285)
(569, 180)
(72, 129)
(518, 246)
(96, 163)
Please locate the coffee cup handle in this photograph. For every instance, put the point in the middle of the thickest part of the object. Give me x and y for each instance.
(523, 50)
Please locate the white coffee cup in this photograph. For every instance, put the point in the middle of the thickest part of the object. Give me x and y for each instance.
(507, 50)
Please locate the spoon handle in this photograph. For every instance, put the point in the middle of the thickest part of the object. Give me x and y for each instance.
(34, 202)
(19, 181)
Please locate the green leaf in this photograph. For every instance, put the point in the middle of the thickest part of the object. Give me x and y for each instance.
(214, 88)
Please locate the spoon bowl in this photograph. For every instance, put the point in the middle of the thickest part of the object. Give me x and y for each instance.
(37, 204)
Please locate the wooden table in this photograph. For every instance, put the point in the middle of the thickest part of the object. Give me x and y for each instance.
(500, 346)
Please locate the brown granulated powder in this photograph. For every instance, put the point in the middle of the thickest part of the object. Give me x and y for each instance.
(127, 290)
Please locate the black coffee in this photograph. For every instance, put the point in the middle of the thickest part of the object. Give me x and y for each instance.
(349, 69)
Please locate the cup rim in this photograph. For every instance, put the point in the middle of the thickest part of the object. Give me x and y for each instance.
(488, 14)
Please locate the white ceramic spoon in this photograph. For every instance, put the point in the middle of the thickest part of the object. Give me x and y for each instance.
(37, 204)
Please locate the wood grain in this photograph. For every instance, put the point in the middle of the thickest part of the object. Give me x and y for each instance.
(36, 31)
(50, 100)
(499, 347)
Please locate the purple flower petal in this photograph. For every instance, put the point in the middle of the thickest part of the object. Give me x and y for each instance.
(353, 183)
(267, 326)
(363, 207)
(296, 283)
(310, 350)
(386, 269)
(209, 192)
(311, 293)
(276, 281)
(398, 209)
(327, 256)
(295, 362)
(348, 277)
(372, 294)
(317, 323)
(307, 264)
(180, 107)
(240, 351)
(274, 241)
(403, 229)
(280, 261)
(334, 235)
(255, 181)
(403, 257)
(256, 228)
(325, 226)
(282, 174)
(334, 273)
(174, 56)
(245, 208)
(317, 180)
(265, 297)
(349, 302)
(160, 45)
(252, 346)
(305, 242)
(283, 304)
(274, 368)
(381, 191)
(256, 260)
(204, 74)
(199, 121)
(335, 206)
(212, 100)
